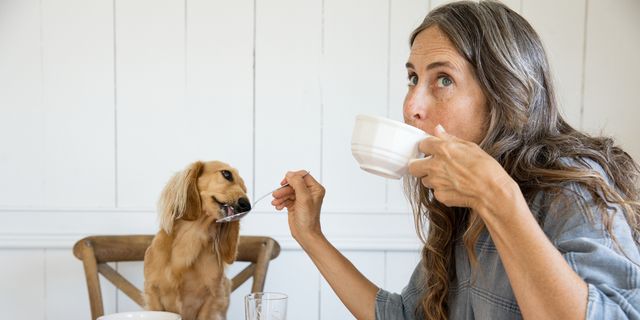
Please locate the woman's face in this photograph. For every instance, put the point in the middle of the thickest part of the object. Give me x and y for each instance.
(443, 89)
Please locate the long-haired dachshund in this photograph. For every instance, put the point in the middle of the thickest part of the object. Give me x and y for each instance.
(184, 266)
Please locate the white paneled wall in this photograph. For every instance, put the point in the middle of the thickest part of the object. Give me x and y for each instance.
(561, 25)
(22, 275)
(219, 77)
(611, 69)
(78, 103)
(288, 107)
(101, 101)
(21, 103)
(152, 116)
(352, 83)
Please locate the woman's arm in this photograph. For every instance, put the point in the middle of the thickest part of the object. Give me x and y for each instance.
(355, 291)
(463, 175)
(544, 285)
(303, 202)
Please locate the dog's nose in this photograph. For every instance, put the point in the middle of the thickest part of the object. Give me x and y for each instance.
(244, 204)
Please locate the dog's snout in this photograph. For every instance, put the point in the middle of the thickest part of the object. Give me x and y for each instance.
(244, 204)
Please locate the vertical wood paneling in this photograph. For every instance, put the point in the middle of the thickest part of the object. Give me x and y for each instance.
(236, 305)
(21, 111)
(65, 282)
(22, 277)
(294, 274)
(134, 272)
(159, 131)
(219, 86)
(287, 79)
(560, 24)
(354, 81)
(611, 72)
(154, 126)
(405, 16)
(370, 264)
(79, 99)
(398, 269)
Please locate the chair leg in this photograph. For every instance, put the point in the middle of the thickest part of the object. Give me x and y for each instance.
(93, 282)
(262, 265)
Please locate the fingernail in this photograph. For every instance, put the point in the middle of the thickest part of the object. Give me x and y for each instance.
(440, 128)
(411, 161)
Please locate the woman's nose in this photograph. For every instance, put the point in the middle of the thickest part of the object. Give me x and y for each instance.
(414, 106)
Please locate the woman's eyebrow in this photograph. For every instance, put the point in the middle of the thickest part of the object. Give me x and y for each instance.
(434, 65)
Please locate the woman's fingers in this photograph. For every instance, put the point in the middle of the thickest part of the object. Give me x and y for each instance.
(433, 146)
(426, 182)
(437, 143)
(297, 182)
(288, 190)
(283, 192)
(416, 167)
(421, 167)
(279, 201)
(302, 185)
(285, 204)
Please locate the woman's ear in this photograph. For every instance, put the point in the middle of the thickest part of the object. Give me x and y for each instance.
(180, 198)
(227, 238)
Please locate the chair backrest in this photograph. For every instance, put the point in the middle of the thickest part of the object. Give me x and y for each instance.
(96, 251)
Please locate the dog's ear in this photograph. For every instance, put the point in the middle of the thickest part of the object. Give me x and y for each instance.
(226, 240)
(180, 198)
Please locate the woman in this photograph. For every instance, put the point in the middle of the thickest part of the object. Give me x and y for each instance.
(528, 218)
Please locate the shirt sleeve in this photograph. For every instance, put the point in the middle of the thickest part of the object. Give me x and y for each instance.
(610, 267)
(393, 306)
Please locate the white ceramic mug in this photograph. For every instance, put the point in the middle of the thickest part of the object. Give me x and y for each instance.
(383, 146)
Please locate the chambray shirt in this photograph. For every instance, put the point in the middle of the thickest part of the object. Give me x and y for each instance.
(613, 277)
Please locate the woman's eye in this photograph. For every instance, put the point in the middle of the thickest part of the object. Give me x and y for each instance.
(227, 175)
(413, 80)
(444, 81)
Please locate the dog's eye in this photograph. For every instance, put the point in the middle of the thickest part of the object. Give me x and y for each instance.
(227, 175)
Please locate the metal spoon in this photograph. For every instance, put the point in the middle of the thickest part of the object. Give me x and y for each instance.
(229, 210)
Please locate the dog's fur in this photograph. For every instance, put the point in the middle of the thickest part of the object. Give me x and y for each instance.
(184, 266)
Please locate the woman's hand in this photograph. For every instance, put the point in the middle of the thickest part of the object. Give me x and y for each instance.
(460, 173)
(303, 200)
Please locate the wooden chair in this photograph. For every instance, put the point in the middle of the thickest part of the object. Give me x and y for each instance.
(96, 251)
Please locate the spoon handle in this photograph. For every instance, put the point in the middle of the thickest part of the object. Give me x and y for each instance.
(274, 190)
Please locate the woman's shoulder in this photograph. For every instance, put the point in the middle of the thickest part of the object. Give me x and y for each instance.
(574, 190)
(580, 210)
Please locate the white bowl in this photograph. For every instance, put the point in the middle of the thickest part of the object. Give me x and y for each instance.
(141, 315)
(383, 146)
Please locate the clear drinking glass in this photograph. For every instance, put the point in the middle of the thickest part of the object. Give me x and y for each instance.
(265, 306)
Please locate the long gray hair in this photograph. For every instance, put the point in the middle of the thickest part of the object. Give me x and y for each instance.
(526, 135)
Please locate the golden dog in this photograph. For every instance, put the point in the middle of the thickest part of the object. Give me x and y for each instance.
(184, 266)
